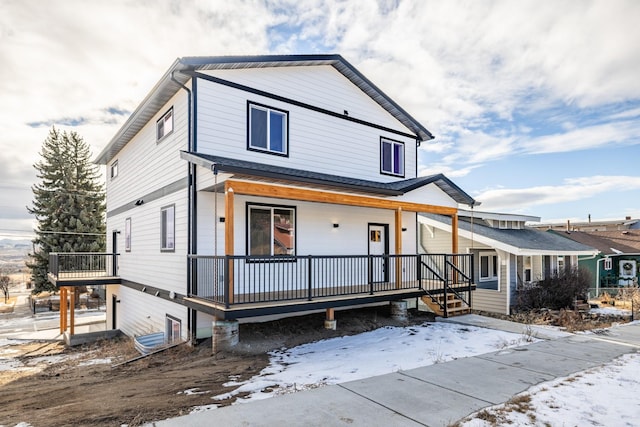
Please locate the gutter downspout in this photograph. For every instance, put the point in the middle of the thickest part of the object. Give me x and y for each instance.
(191, 196)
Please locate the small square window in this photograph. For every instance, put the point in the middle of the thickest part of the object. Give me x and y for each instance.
(168, 228)
(391, 157)
(164, 126)
(114, 169)
(267, 129)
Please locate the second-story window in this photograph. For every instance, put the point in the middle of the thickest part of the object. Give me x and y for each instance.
(164, 126)
(114, 169)
(127, 234)
(391, 157)
(267, 129)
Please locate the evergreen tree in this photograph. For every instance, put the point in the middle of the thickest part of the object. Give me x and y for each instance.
(69, 203)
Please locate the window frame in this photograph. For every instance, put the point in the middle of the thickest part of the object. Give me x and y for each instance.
(492, 266)
(170, 323)
(127, 234)
(393, 143)
(164, 229)
(161, 121)
(272, 208)
(268, 109)
(113, 170)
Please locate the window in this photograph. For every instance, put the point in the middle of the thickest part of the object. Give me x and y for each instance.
(527, 269)
(173, 329)
(267, 129)
(164, 126)
(271, 230)
(168, 228)
(488, 267)
(127, 234)
(391, 157)
(114, 169)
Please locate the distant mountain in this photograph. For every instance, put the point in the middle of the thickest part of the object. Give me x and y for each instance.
(15, 243)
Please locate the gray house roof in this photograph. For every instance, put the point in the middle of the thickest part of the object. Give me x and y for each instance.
(181, 71)
(397, 188)
(527, 240)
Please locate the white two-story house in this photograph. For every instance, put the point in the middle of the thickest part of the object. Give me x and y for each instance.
(257, 185)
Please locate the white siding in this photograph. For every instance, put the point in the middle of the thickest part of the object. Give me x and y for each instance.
(429, 194)
(317, 142)
(138, 313)
(145, 165)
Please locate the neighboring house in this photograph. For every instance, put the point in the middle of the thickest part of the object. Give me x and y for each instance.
(618, 261)
(259, 185)
(507, 254)
(588, 226)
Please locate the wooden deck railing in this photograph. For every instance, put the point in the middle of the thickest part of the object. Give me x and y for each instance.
(233, 280)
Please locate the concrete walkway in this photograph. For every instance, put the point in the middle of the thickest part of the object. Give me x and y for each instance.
(436, 395)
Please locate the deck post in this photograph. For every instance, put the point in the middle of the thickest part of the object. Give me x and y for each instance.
(62, 307)
(330, 320)
(228, 239)
(398, 248)
(72, 311)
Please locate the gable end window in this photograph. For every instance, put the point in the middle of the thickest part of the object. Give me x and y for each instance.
(271, 230)
(164, 126)
(391, 157)
(114, 169)
(267, 129)
(168, 228)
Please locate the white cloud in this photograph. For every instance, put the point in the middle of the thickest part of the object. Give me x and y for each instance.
(572, 189)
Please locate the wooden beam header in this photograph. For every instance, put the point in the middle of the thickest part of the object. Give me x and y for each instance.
(307, 195)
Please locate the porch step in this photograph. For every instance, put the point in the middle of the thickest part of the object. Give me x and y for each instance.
(455, 306)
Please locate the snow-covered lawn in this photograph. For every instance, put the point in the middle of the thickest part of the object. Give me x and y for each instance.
(378, 352)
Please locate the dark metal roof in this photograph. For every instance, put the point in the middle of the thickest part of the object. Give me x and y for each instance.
(167, 87)
(527, 238)
(397, 188)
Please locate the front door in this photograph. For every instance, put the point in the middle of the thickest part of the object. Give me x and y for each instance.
(379, 246)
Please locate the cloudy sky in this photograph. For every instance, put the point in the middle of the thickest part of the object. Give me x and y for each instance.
(535, 105)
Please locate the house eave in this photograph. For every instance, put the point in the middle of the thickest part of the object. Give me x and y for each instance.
(170, 83)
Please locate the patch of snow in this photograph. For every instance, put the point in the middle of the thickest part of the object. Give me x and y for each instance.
(377, 352)
(104, 361)
(610, 311)
(602, 396)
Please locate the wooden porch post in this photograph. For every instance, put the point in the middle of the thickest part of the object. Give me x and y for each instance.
(228, 235)
(63, 309)
(72, 310)
(398, 248)
(454, 233)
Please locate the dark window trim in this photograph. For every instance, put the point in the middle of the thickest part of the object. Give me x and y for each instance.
(163, 208)
(340, 115)
(404, 157)
(114, 165)
(267, 151)
(161, 138)
(272, 258)
(127, 241)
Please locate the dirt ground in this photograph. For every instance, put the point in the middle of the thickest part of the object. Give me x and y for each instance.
(76, 392)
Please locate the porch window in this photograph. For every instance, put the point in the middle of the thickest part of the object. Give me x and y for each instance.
(164, 126)
(173, 329)
(527, 269)
(267, 129)
(488, 267)
(391, 157)
(127, 234)
(168, 228)
(271, 230)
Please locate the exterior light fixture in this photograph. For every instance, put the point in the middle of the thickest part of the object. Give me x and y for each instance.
(336, 225)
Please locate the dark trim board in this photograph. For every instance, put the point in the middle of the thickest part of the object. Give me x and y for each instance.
(241, 311)
(300, 104)
(175, 186)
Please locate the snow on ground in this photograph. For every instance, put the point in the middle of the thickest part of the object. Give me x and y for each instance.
(610, 311)
(378, 352)
(602, 396)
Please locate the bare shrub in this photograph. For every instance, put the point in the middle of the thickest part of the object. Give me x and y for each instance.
(560, 290)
